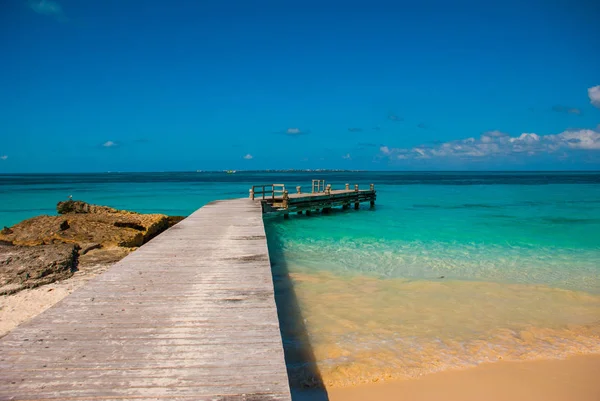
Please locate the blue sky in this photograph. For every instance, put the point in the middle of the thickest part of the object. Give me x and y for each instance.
(112, 85)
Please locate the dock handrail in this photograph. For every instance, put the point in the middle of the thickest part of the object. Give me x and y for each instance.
(319, 185)
(261, 191)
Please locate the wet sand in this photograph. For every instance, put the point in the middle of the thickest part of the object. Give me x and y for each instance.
(573, 379)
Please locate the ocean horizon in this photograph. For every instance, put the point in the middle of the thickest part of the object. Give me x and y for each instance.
(448, 271)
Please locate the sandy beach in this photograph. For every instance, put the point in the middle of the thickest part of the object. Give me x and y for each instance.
(575, 378)
(24, 305)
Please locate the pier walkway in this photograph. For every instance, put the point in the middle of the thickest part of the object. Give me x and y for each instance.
(275, 198)
(189, 316)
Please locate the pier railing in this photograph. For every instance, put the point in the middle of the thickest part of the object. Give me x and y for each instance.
(318, 186)
(270, 191)
(275, 198)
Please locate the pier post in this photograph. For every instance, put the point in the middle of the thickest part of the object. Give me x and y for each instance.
(328, 189)
(286, 198)
(299, 212)
(356, 205)
(252, 193)
(356, 188)
(299, 189)
(326, 210)
(372, 187)
(286, 216)
(308, 212)
(345, 206)
(347, 187)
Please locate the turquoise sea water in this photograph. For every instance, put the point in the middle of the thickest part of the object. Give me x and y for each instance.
(544, 234)
(447, 271)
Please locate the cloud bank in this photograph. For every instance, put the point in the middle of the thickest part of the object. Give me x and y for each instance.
(498, 144)
(4, 157)
(248, 156)
(594, 94)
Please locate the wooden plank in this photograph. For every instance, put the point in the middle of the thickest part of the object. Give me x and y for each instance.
(190, 315)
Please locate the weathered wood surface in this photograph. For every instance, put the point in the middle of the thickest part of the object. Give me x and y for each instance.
(189, 316)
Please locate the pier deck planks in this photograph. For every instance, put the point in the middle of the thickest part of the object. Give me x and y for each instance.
(189, 316)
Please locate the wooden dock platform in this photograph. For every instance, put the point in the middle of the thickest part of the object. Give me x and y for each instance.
(189, 316)
(275, 198)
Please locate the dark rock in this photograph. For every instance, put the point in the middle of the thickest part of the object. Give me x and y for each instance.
(28, 267)
(128, 224)
(85, 248)
(174, 220)
(6, 231)
(64, 225)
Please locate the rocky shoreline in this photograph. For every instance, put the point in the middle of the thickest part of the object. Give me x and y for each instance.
(45, 249)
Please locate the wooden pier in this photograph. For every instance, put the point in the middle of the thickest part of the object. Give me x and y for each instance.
(275, 198)
(189, 316)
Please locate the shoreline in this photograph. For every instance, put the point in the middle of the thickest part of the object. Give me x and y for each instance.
(573, 378)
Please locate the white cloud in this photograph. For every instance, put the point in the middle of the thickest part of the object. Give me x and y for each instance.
(293, 132)
(248, 157)
(347, 156)
(109, 144)
(4, 157)
(594, 94)
(47, 7)
(495, 143)
(583, 139)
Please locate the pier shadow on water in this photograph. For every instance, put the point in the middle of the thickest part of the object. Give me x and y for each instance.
(303, 374)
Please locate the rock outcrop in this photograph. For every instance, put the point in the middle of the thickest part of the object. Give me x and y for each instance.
(44, 249)
(83, 224)
(28, 267)
(71, 206)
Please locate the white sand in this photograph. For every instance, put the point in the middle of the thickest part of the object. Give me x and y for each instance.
(22, 306)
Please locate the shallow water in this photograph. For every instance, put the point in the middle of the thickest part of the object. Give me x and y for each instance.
(443, 276)
(448, 271)
(365, 329)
